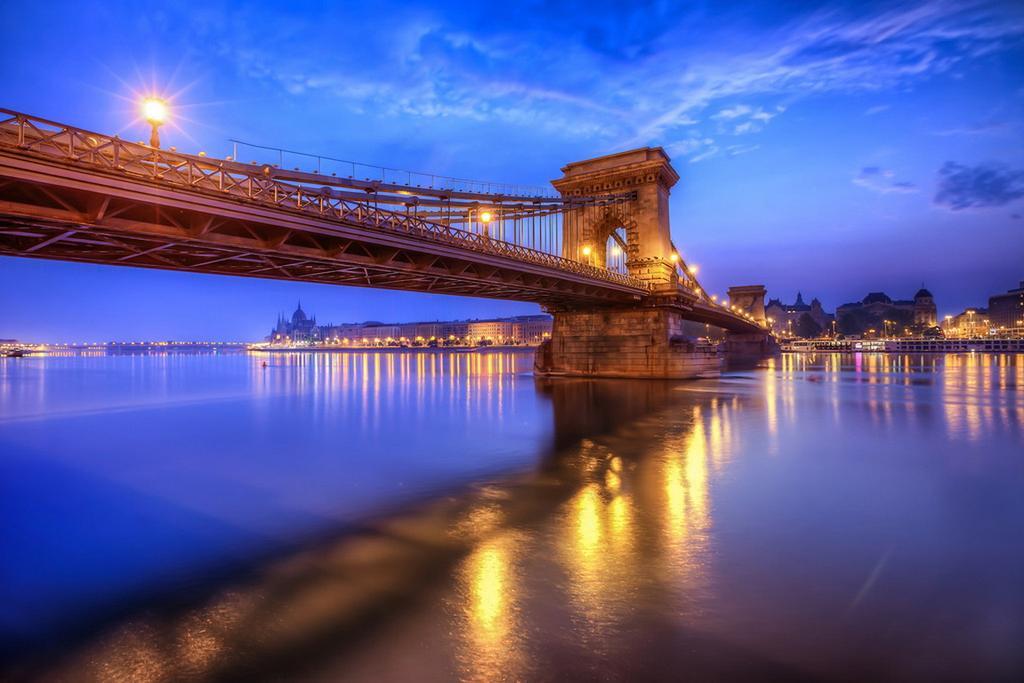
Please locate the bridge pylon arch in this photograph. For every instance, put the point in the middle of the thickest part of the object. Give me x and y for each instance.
(647, 172)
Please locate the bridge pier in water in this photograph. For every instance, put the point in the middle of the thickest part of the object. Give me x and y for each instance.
(635, 342)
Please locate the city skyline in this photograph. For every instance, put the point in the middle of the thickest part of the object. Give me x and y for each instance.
(771, 298)
(873, 148)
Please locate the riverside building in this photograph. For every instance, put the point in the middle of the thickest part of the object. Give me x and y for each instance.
(301, 329)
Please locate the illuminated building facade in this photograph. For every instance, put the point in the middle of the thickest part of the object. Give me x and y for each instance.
(1006, 311)
(298, 328)
(785, 319)
(526, 329)
(878, 314)
(973, 323)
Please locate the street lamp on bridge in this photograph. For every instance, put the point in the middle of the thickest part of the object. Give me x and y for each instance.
(154, 110)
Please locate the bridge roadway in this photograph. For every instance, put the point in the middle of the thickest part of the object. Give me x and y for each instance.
(75, 195)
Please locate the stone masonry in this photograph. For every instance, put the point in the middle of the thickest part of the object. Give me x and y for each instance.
(623, 342)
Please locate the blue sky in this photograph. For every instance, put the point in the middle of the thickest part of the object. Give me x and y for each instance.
(834, 148)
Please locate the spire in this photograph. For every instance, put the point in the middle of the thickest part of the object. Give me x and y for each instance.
(799, 299)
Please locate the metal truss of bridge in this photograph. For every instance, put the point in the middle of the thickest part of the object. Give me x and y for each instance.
(76, 195)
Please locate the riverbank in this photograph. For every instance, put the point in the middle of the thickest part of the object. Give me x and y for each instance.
(390, 349)
(905, 345)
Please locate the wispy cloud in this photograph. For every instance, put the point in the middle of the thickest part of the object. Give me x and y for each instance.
(989, 127)
(706, 154)
(877, 109)
(882, 180)
(657, 78)
(733, 112)
(736, 150)
(827, 52)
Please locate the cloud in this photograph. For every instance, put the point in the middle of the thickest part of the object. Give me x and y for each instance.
(877, 109)
(707, 154)
(882, 180)
(975, 187)
(989, 127)
(695, 147)
(765, 116)
(747, 119)
(827, 52)
(664, 67)
(733, 112)
(736, 150)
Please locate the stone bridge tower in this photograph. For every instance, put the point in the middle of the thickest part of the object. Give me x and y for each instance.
(648, 242)
(750, 299)
(645, 339)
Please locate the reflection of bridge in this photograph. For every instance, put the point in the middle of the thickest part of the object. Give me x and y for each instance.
(602, 244)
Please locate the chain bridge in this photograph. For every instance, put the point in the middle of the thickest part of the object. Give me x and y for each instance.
(596, 253)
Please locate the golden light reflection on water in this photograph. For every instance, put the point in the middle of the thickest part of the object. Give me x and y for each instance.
(771, 399)
(637, 519)
(597, 551)
(977, 392)
(373, 383)
(490, 642)
(685, 505)
(696, 472)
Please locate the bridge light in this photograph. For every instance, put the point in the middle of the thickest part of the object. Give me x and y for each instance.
(714, 297)
(586, 250)
(692, 269)
(154, 110)
(673, 257)
(485, 216)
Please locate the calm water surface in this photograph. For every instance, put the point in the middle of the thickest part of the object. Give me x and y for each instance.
(437, 516)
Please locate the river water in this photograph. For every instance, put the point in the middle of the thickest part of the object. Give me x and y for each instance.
(438, 516)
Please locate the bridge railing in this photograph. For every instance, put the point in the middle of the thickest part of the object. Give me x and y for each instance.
(68, 144)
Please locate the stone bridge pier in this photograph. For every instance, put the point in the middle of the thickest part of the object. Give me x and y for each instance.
(645, 339)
